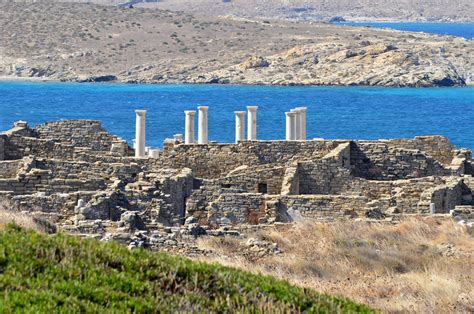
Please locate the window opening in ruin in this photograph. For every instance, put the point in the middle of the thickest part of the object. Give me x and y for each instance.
(262, 188)
(226, 186)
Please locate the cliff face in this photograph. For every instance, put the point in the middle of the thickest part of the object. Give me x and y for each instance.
(85, 42)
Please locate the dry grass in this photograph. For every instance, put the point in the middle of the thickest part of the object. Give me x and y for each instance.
(8, 216)
(418, 265)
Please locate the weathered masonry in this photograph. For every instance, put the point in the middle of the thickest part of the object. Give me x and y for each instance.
(75, 174)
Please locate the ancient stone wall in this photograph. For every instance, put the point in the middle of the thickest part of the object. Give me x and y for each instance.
(322, 177)
(62, 204)
(437, 147)
(445, 196)
(250, 182)
(214, 161)
(9, 168)
(259, 179)
(323, 206)
(328, 175)
(17, 147)
(291, 180)
(31, 179)
(127, 169)
(2, 147)
(383, 160)
(79, 133)
(38, 181)
(162, 194)
(61, 140)
(230, 208)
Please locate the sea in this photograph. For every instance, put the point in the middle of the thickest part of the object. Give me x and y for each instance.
(333, 112)
(465, 30)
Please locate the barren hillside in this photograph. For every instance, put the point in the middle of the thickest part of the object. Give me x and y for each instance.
(87, 42)
(411, 10)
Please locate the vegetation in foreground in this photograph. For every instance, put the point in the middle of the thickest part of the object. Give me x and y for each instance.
(422, 265)
(58, 272)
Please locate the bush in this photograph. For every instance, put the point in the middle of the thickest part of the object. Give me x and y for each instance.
(62, 273)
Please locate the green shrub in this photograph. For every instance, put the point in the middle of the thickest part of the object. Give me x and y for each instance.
(61, 273)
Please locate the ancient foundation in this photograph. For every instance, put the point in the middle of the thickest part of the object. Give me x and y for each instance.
(86, 181)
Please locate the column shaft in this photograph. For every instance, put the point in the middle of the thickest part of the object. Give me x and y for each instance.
(239, 126)
(252, 123)
(140, 132)
(297, 123)
(290, 126)
(303, 122)
(189, 127)
(202, 125)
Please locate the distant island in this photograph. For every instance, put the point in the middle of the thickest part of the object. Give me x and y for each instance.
(138, 45)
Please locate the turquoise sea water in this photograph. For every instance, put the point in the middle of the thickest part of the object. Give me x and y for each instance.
(333, 112)
(465, 30)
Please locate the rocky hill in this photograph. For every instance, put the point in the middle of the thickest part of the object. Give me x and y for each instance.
(411, 10)
(87, 42)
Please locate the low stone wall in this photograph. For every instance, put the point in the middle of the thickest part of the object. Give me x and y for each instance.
(259, 179)
(41, 183)
(216, 160)
(391, 160)
(9, 169)
(329, 175)
(437, 147)
(230, 208)
(445, 196)
(78, 133)
(17, 147)
(323, 206)
(126, 169)
(61, 140)
(59, 203)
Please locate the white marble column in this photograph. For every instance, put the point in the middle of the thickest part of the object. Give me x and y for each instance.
(189, 127)
(140, 133)
(239, 126)
(303, 122)
(290, 126)
(202, 124)
(252, 123)
(297, 113)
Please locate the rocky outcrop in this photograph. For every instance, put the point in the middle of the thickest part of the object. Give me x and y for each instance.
(372, 64)
(254, 63)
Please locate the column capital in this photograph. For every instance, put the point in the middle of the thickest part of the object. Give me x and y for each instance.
(203, 107)
(240, 113)
(252, 108)
(190, 112)
(303, 109)
(290, 113)
(140, 112)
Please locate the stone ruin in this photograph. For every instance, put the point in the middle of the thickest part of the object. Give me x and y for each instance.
(77, 176)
